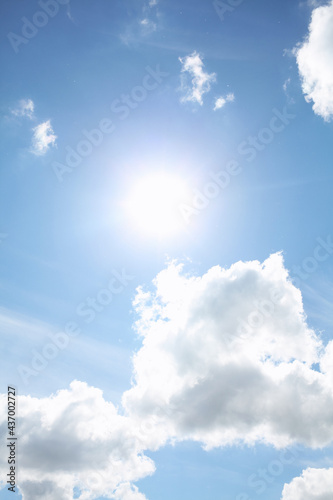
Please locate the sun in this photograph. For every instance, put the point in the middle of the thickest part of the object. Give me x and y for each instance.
(153, 204)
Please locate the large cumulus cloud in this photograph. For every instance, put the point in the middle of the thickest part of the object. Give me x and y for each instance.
(228, 357)
(76, 439)
(313, 484)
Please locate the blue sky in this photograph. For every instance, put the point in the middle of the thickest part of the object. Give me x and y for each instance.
(116, 117)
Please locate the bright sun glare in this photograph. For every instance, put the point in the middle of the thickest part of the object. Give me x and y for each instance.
(154, 202)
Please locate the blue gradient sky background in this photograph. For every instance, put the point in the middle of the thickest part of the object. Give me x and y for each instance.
(63, 239)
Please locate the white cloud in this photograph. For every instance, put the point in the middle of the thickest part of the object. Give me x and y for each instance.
(148, 25)
(147, 21)
(76, 439)
(43, 138)
(222, 101)
(196, 378)
(315, 61)
(314, 484)
(226, 357)
(24, 108)
(315, 3)
(286, 84)
(200, 80)
(286, 88)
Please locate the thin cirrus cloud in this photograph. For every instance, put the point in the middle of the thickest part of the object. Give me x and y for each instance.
(150, 22)
(24, 108)
(313, 484)
(220, 102)
(315, 61)
(147, 22)
(43, 138)
(148, 25)
(195, 81)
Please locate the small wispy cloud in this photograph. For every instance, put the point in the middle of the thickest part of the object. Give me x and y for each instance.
(315, 3)
(286, 84)
(148, 25)
(222, 101)
(43, 138)
(201, 81)
(286, 87)
(24, 108)
(70, 16)
(147, 22)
